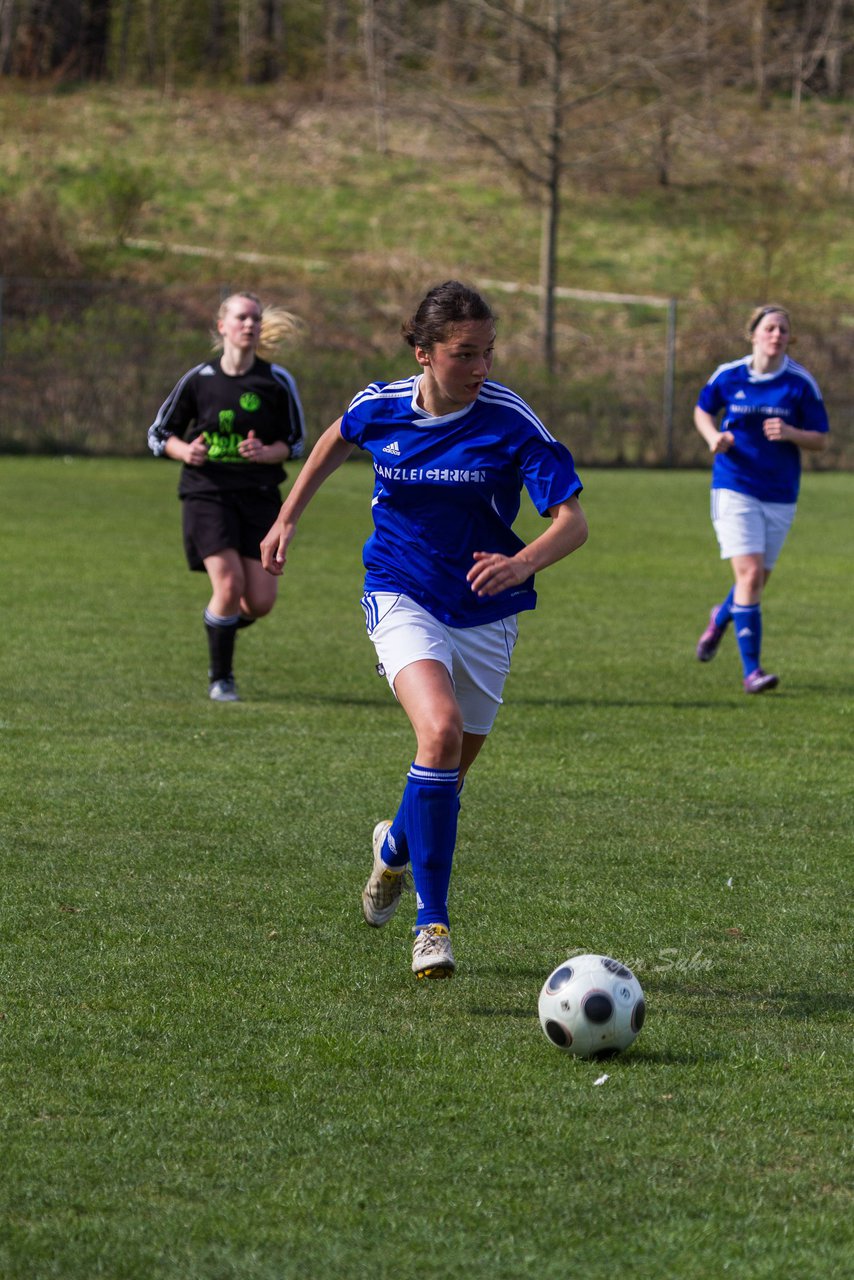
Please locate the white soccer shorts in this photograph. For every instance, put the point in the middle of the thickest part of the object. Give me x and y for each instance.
(476, 658)
(747, 526)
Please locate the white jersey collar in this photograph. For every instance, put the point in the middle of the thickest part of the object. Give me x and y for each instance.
(766, 377)
(430, 418)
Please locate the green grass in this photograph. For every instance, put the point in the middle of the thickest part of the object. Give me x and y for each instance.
(303, 181)
(210, 1068)
(93, 184)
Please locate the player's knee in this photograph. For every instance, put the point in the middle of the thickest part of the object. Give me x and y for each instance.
(229, 585)
(256, 608)
(440, 743)
(753, 579)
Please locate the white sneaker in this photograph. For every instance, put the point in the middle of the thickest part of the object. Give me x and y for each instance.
(224, 691)
(381, 895)
(432, 956)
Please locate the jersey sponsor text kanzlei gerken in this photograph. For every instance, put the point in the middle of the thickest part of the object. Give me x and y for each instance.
(769, 470)
(449, 486)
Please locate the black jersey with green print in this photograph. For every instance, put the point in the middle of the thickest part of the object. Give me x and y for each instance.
(224, 408)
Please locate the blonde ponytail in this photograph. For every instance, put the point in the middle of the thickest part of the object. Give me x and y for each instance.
(277, 324)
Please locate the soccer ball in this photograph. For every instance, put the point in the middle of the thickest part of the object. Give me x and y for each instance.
(591, 1005)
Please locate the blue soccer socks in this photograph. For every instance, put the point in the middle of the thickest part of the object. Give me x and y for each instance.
(395, 850)
(747, 621)
(723, 613)
(429, 810)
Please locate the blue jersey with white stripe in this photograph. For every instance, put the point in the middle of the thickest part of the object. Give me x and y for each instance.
(447, 487)
(766, 469)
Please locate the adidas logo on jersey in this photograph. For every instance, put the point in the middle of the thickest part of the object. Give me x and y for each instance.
(208, 371)
(394, 448)
(739, 395)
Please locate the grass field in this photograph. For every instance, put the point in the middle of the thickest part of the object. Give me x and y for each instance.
(210, 1069)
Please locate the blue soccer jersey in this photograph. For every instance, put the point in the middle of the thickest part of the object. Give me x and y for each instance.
(447, 487)
(765, 469)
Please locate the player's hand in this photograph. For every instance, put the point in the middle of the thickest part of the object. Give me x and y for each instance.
(722, 442)
(197, 452)
(251, 448)
(274, 548)
(775, 429)
(493, 572)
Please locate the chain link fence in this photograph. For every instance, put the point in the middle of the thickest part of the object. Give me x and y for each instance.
(85, 365)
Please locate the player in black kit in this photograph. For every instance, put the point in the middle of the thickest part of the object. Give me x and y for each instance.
(233, 421)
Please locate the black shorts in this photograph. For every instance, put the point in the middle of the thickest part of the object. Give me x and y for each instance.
(218, 521)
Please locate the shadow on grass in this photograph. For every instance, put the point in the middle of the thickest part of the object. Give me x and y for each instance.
(737, 699)
(673, 704)
(339, 700)
(637, 1055)
(304, 697)
(802, 1005)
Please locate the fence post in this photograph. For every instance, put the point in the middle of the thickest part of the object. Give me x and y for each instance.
(670, 380)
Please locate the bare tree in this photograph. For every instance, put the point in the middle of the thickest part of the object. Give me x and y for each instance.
(7, 32)
(337, 25)
(758, 30)
(95, 39)
(552, 174)
(545, 125)
(376, 68)
(819, 41)
(214, 46)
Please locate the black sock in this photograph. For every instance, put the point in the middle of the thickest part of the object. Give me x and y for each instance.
(243, 621)
(222, 633)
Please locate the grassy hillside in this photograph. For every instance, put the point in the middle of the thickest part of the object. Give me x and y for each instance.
(189, 194)
(303, 181)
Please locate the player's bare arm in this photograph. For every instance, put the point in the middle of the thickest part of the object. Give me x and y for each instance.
(779, 429)
(326, 456)
(193, 453)
(493, 573)
(254, 450)
(718, 441)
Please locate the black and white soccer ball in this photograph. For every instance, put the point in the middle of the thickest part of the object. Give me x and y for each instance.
(591, 1006)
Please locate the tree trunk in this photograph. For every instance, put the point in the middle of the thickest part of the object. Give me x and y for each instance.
(551, 208)
(7, 32)
(375, 72)
(335, 38)
(705, 54)
(272, 40)
(152, 26)
(95, 40)
(215, 38)
(757, 48)
(244, 39)
(664, 149)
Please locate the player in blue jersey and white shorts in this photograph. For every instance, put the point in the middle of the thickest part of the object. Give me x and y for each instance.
(770, 408)
(445, 575)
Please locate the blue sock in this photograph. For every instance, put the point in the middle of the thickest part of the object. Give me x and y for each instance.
(723, 613)
(395, 850)
(430, 807)
(747, 620)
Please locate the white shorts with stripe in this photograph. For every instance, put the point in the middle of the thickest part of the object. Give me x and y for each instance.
(476, 658)
(747, 526)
